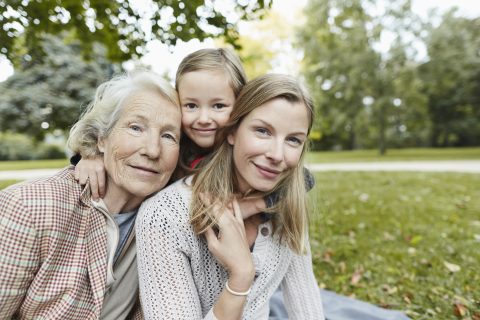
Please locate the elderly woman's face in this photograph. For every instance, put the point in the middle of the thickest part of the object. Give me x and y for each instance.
(141, 151)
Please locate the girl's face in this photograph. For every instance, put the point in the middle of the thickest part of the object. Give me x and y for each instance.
(268, 142)
(207, 101)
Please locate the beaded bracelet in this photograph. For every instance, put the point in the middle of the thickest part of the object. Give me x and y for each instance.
(236, 293)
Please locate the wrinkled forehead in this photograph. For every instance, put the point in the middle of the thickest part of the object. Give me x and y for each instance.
(151, 106)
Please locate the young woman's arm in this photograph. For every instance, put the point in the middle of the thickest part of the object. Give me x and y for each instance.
(252, 206)
(300, 289)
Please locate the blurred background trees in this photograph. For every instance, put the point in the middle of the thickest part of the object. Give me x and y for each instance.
(381, 76)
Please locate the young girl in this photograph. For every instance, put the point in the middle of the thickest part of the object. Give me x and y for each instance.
(259, 151)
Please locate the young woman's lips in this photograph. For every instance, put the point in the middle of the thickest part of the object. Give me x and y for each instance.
(267, 172)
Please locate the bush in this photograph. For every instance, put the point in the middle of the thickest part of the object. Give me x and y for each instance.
(14, 146)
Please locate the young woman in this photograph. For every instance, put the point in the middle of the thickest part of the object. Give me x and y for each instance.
(194, 247)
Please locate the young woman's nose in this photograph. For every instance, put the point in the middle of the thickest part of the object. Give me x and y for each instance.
(275, 150)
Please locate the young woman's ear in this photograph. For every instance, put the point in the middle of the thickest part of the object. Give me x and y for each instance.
(231, 138)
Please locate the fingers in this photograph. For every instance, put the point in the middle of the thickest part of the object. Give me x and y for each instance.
(237, 213)
(94, 187)
(101, 183)
(212, 239)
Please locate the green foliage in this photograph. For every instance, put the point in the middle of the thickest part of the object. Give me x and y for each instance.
(452, 81)
(122, 26)
(15, 146)
(53, 90)
(365, 97)
(407, 241)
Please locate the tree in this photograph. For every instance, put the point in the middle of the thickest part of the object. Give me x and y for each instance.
(120, 25)
(49, 95)
(452, 78)
(358, 88)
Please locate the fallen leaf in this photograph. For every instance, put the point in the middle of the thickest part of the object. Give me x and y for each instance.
(451, 266)
(356, 277)
(459, 309)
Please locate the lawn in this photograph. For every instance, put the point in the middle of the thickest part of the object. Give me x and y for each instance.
(406, 241)
(395, 155)
(33, 164)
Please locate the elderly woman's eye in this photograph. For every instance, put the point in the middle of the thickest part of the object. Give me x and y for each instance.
(170, 136)
(135, 127)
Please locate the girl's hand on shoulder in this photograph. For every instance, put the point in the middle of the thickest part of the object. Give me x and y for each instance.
(230, 245)
(251, 206)
(93, 171)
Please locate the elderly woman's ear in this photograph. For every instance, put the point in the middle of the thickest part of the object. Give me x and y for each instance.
(101, 145)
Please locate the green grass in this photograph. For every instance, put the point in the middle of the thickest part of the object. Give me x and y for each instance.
(6, 183)
(395, 155)
(33, 164)
(387, 238)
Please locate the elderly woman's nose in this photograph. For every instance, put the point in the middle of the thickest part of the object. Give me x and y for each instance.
(152, 147)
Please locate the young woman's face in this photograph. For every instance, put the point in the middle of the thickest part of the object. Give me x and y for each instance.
(268, 142)
(207, 101)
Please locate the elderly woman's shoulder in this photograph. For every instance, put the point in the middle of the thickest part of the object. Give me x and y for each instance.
(43, 190)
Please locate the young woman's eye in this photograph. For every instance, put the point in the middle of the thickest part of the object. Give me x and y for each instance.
(262, 131)
(219, 106)
(190, 106)
(294, 140)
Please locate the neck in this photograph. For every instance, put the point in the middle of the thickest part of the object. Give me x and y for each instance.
(117, 201)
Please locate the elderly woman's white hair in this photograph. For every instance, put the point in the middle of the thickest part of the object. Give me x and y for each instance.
(102, 114)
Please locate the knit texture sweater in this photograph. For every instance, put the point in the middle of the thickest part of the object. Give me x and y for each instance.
(181, 279)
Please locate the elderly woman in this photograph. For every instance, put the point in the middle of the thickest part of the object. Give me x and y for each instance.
(64, 256)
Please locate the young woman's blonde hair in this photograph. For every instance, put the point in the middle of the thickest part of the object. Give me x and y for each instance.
(217, 177)
(223, 60)
(104, 111)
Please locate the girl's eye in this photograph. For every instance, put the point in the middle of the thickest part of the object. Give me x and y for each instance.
(190, 106)
(219, 106)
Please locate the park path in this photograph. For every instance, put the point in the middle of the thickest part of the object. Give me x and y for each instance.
(467, 166)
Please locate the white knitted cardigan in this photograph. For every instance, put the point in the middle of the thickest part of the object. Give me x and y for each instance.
(181, 279)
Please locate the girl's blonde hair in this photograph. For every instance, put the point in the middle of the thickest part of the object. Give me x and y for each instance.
(217, 177)
(223, 60)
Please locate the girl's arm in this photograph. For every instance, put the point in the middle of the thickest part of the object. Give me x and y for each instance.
(167, 287)
(252, 206)
(92, 171)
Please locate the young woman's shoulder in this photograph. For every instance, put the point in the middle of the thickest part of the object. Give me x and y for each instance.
(172, 203)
